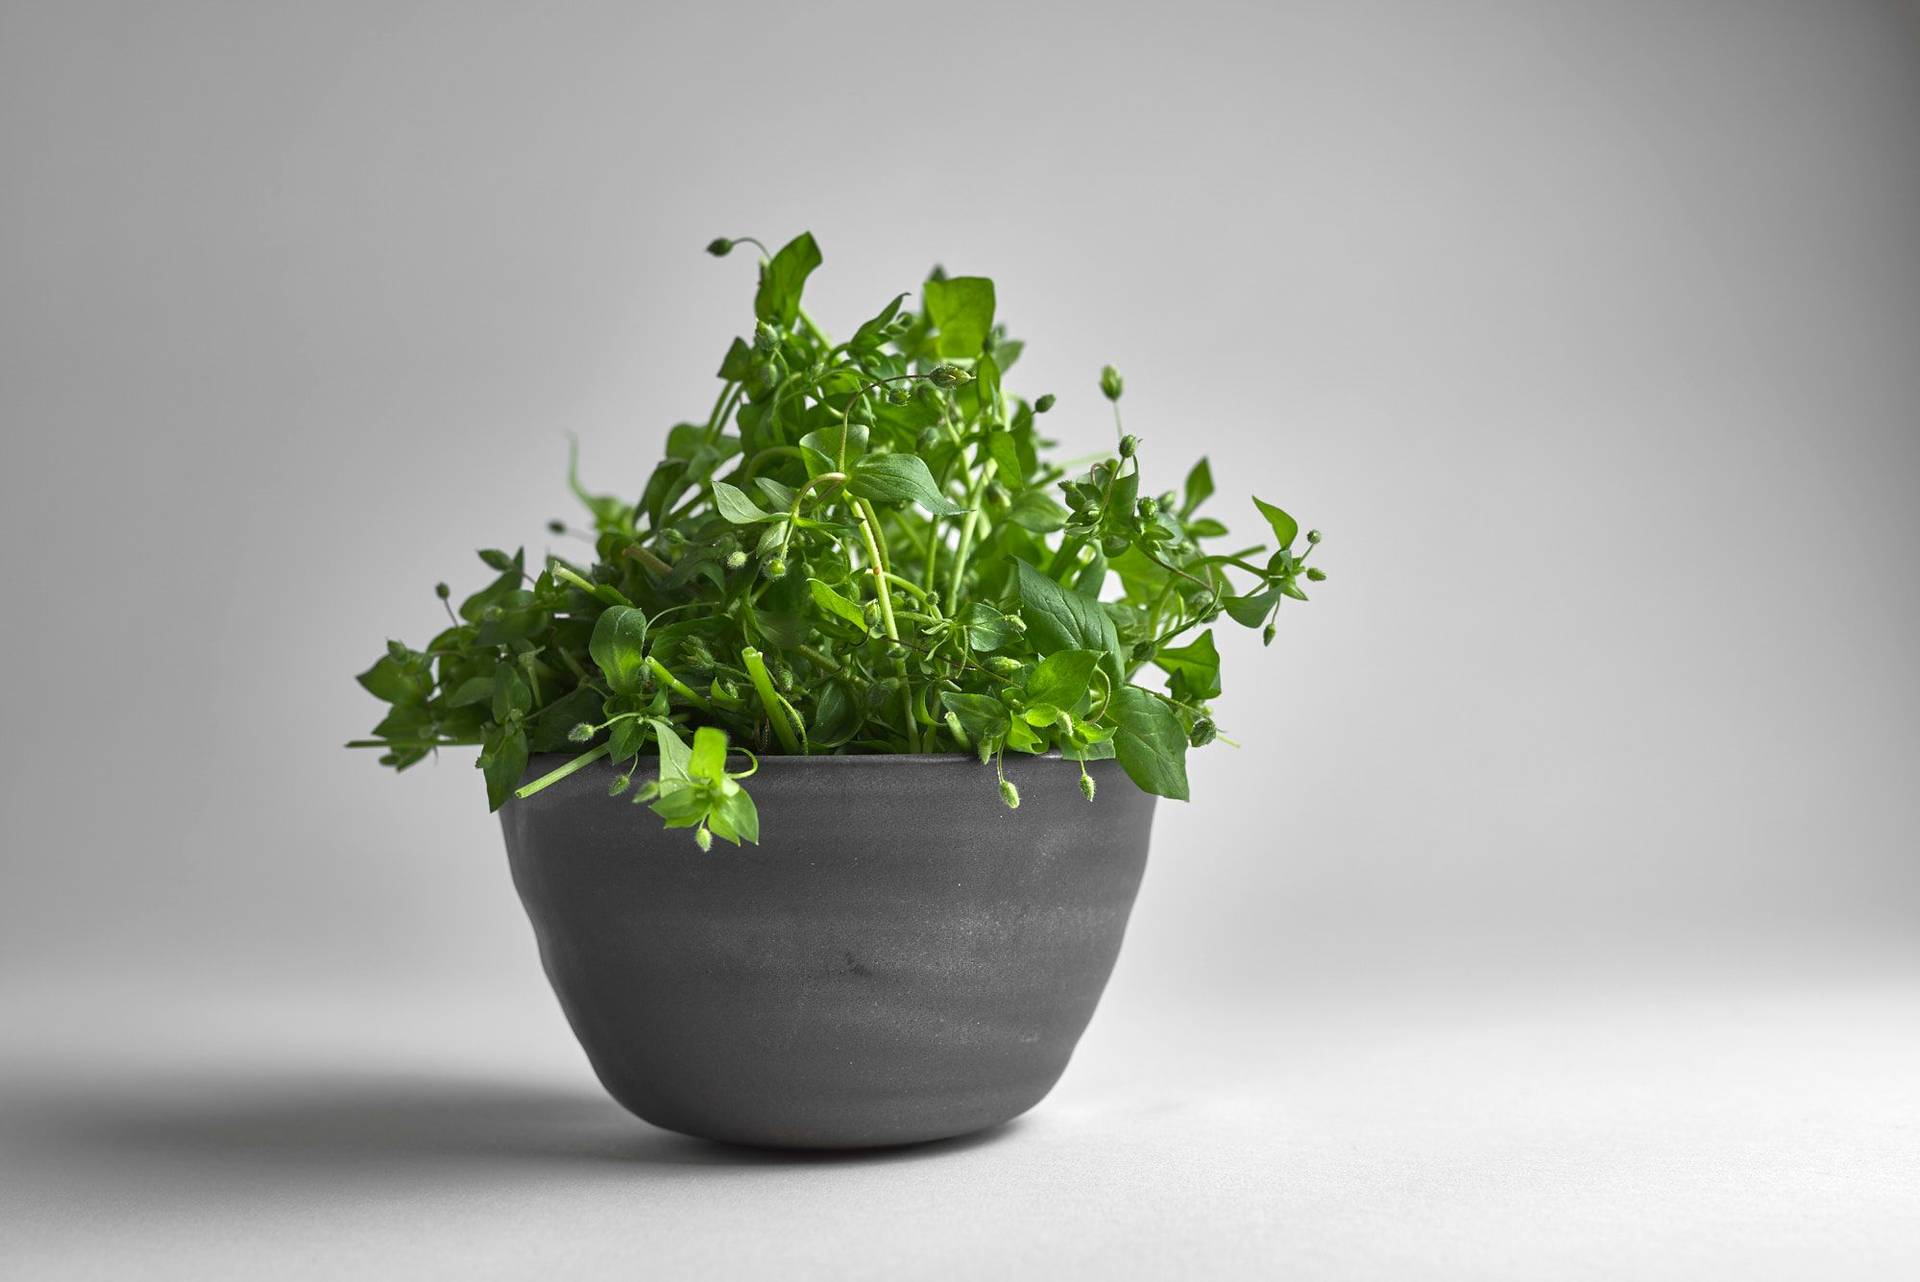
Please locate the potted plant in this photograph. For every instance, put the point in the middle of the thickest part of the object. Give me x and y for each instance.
(858, 620)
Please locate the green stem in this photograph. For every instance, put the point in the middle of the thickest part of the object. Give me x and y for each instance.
(883, 592)
(678, 686)
(574, 766)
(770, 700)
(959, 571)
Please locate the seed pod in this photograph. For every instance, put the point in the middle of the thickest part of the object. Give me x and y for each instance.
(1044, 404)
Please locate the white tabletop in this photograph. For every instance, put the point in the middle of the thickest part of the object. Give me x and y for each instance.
(1713, 1124)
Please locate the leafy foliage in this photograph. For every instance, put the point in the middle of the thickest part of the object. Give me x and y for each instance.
(858, 551)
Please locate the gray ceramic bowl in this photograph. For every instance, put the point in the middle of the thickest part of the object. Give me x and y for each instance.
(902, 958)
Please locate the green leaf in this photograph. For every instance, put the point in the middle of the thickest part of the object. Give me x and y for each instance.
(1199, 488)
(1062, 679)
(982, 716)
(733, 504)
(1035, 511)
(961, 309)
(510, 693)
(393, 681)
(626, 738)
(738, 362)
(674, 753)
(548, 731)
(471, 691)
(986, 627)
(1004, 450)
(619, 638)
(503, 764)
(873, 333)
(783, 278)
(900, 478)
(835, 604)
(1150, 743)
(1285, 528)
(709, 758)
(1198, 663)
(1060, 619)
(825, 442)
(734, 817)
(1252, 610)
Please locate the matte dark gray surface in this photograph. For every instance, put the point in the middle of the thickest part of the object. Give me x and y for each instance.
(902, 959)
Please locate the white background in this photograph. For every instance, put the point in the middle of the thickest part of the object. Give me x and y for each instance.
(1556, 915)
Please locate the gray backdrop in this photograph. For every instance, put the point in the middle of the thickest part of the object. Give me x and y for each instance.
(1590, 334)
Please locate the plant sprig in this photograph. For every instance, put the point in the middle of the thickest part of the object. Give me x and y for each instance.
(857, 550)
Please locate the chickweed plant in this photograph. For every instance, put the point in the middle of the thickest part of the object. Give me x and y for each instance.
(863, 547)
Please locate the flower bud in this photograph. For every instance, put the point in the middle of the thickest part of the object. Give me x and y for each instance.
(1316, 574)
(1004, 665)
(897, 651)
(774, 567)
(619, 785)
(580, 733)
(1086, 786)
(720, 247)
(1110, 384)
(1044, 404)
(1009, 794)
(1114, 545)
(1092, 511)
(1313, 536)
(765, 341)
(556, 527)
(948, 376)
(702, 838)
(929, 438)
(1128, 446)
(736, 559)
(1148, 508)
(442, 591)
(762, 378)
(1266, 637)
(1203, 733)
(1016, 623)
